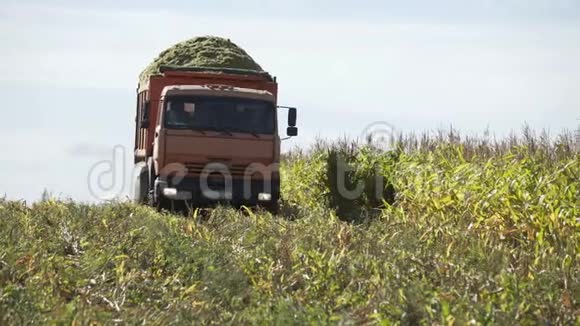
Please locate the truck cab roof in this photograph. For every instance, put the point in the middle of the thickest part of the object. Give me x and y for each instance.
(217, 90)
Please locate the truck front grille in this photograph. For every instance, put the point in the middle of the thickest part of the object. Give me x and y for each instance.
(233, 169)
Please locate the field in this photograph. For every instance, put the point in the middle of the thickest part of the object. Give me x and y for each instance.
(463, 231)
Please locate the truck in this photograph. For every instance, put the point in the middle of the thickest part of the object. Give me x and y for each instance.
(205, 136)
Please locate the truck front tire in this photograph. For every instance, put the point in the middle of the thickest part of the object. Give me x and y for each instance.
(140, 185)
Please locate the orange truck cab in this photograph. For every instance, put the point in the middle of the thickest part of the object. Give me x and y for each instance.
(206, 136)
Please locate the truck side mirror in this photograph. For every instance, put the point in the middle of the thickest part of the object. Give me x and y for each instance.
(292, 131)
(145, 115)
(292, 117)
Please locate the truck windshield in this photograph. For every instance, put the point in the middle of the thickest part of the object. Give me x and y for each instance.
(220, 114)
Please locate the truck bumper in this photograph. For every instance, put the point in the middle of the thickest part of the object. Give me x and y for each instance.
(209, 192)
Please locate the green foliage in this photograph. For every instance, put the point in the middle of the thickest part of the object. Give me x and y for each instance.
(206, 51)
(357, 179)
(478, 233)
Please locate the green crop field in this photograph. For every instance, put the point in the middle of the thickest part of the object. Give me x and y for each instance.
(465, 231)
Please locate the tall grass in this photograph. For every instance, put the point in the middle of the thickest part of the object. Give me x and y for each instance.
(447, 230)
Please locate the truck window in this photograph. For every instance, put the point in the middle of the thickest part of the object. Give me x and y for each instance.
(220, 114)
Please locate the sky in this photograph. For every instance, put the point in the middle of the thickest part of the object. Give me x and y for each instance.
(69, 71)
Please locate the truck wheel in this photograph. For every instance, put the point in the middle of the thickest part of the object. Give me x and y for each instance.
(151, 183)
(154, 199)
(273, 207)
(141, 185)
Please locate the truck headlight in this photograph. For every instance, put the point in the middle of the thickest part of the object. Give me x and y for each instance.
(174, 194)
(263, 196)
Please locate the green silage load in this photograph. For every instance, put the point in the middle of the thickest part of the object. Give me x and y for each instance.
(202, 52)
